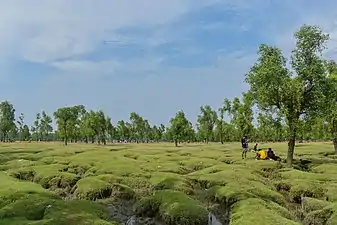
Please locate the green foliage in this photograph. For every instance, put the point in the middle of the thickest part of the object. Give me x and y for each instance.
(180, 128)
(7, 120)
(67, 119)
(206, 122)
(275, 87)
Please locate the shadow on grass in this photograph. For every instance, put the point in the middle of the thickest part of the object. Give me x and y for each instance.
(118, 149)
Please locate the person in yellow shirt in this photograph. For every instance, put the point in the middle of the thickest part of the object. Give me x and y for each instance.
(261, 154)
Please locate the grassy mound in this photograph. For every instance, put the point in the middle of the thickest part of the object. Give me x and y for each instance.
(173, 207)
(172, 181)
(44, 210)
(48, 176)
(99, 187)
(253, 211)
(313, 204)
(23, 202)
(176, 184)
(228, 184)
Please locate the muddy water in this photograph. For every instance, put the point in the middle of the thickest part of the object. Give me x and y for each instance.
(133, 220)
(143, 221)
(120, 211)
(212, 220)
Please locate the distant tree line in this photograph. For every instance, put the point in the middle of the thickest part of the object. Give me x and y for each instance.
(287, 101)
(76, 124)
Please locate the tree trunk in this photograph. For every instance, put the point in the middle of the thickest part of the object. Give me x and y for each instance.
(334, 135)
(291, 148)
(65, 133)
(335, 145)
(293, 125)
(66, 140)
(176, 143)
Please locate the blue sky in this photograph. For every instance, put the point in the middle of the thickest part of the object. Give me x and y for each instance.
(148, 56)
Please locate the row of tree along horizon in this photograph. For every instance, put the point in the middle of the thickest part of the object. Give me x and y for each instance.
(295, 98)
(76, 124)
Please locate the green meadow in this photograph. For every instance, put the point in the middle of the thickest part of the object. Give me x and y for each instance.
(49, 183)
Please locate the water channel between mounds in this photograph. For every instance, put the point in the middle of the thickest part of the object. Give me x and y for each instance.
(133, 220)
(123, 213)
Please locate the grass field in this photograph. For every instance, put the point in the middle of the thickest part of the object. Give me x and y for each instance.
(48, 183)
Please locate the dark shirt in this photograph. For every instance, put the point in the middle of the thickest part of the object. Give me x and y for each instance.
(244, 143)
(270, 154)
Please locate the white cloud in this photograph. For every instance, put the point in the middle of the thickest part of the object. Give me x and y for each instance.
(44, 30)
(47, 30)
(86, 67)
(50, 30)
(137, 66)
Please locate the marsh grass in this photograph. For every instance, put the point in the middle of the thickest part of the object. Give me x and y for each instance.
(48, 183)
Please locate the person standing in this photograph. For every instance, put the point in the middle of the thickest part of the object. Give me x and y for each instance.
(244, 144)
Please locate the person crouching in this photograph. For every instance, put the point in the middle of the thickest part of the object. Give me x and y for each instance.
(271, 155)
(261, 154)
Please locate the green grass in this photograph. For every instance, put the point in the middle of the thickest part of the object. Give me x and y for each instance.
(48, 183)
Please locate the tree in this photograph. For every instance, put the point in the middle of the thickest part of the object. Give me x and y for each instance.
(329, 104)
(67, 118)
(180, 129)
(244, 115)
(220, 125)
(36, 128)
(100, 126)
(25, 133)
(138, 127)
(290, 93)
(270, 127)
(21, 125)
(241, 115)
(7, 120)
(206, 123)
(124, 130)
(111, 130)
(85, 131)
(45, 125)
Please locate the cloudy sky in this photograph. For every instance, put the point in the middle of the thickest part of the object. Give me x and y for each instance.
(148, 56)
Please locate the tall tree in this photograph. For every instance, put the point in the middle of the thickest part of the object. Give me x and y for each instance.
(220, 125)
(85, 131)
(45, 125)
(26, 135)
(330, 101)
(240, 114)
(244, 115)
(111, 130)
(138, 127)
(21, 125)
(36, 128)
(206, 122)
(7, 119)
(67, 119)
(293, 94)
(180, 129)
(123, 130)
